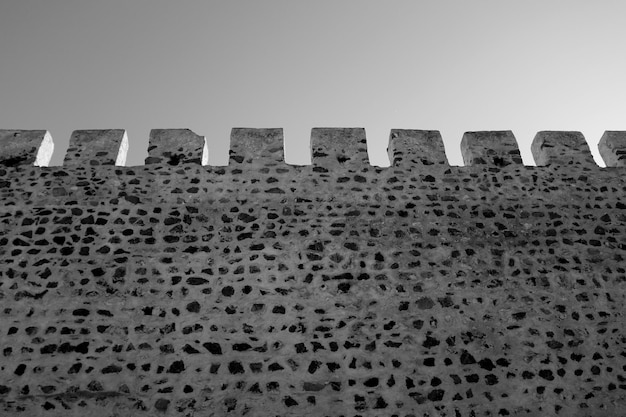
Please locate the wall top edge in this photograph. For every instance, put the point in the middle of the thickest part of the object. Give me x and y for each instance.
(330, 147)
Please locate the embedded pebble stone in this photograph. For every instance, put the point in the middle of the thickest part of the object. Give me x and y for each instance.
(332, 289)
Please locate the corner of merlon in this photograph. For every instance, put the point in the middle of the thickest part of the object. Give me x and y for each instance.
(561, 148)
(415, 148)
(490, 148)
(105, 147)
(25, 147)
(176, 147)
(250, 147)
(612, 147)
(339, 148)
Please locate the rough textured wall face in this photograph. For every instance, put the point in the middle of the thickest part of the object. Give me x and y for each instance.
(338, 288)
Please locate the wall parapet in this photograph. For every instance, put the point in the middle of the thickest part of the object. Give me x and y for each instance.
(180, 288)
(331, 148)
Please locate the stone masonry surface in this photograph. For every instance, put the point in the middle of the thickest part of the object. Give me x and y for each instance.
(333, 289)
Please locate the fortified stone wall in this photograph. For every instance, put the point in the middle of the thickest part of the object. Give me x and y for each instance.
(336, 289)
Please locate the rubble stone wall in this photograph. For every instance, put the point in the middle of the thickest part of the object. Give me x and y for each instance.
(333, 289)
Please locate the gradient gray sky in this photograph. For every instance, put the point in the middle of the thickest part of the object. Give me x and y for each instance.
(447, 65)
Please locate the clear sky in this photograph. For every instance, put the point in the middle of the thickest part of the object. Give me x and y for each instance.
(447, 65)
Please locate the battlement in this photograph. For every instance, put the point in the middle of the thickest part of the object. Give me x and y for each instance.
(331, 148)
(339, 288)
